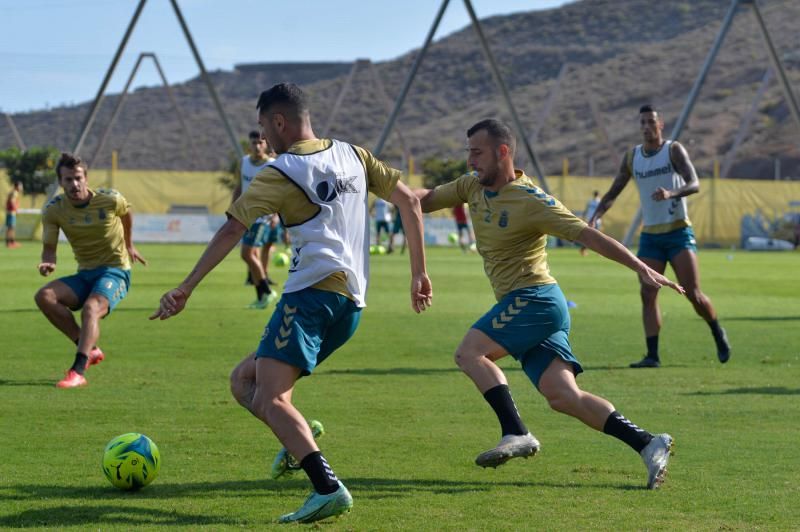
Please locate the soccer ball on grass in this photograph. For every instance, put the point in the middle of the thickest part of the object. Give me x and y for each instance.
(131, 461)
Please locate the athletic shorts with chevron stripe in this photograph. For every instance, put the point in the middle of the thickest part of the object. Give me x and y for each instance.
(307, 326)
(532, 325)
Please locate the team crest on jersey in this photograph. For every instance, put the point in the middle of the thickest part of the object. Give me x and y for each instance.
(340, 184)
(101, 214)
(503, 221)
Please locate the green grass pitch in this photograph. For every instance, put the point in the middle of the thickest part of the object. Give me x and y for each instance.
(403, 424)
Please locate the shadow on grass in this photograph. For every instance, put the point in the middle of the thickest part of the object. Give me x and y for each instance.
(763, 318)
(72, 515)
(757, 390)
(29, 382)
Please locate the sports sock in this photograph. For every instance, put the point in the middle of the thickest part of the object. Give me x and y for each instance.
(716, 330)
(265, 289)
(623, 429)
(499, 398)
(259, 290)
(652, 347)
(81, 361)
(320, 473)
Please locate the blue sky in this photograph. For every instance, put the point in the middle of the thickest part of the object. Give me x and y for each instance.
(56, 52)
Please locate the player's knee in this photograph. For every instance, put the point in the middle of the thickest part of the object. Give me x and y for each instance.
(95, 308)
(463, 358)
(648, 294)
(560, 399)
(695, 296)
(45, 297)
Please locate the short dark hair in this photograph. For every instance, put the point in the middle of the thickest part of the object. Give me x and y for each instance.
(71, 161)
(254, 135)
(648, 108)
(286, 95)
(497, 130)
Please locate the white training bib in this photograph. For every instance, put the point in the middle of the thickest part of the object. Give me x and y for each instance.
(654, 171)
(336, 239)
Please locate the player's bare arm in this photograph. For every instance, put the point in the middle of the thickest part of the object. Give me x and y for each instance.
(611, 249)
(127, 230)
(409, 204)
(225, 239)
(683, 165)
(619, 183)
(48, 263)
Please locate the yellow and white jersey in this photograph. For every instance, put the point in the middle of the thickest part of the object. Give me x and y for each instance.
(282, 188)
(652, 171)
(511, 228)
(94, 230)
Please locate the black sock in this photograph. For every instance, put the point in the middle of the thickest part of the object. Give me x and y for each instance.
(499, 398)
(623, 429)
(320, 473)
(716, 330)
(652, 347)
(81, 361)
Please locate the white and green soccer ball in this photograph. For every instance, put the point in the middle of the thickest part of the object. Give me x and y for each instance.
(131, 461)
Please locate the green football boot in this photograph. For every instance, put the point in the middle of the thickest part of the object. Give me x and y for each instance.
(285, 463)
(319, 507)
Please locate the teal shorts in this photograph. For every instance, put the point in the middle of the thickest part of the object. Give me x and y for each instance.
(11, 220)
(532, 325)
(307, 326)
(256, 236)
(274, 234)
(111, 283)
(664, 246)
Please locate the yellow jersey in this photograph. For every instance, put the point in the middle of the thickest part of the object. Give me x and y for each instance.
(94, 230)
(273, 192)
(511, 228)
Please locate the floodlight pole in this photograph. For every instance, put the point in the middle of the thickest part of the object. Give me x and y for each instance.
(207, 80)
(381, 89)
(744, 125)
(387, 128)
(123, 97)
(15, 132)
(340, 98)
(551, 100)
(689, 105)
(90, 117)
(498, 79)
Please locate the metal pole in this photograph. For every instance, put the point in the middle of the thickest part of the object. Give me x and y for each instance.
(340, 98)
(207, 80)
(398, 104)
(174, 102)
(506, 96)
(87, 123)
(122, 97)
(690, 101)
(744, 126)
(15, 132)
(788, 93)
(598, 120)
(381, 90)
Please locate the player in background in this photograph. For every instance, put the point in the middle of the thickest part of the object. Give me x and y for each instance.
(382, 213)
(319, 188)
(588, 213)
(665, 176)
(12, 206)
(512, 218)
(98, 225)
(259, 232)
(466, 237)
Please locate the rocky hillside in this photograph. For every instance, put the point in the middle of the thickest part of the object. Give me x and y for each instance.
(620, 54)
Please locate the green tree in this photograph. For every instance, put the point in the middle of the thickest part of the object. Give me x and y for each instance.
(230, 178)
(35, 167)
(437, 172)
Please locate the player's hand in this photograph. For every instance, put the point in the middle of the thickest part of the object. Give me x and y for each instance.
(651, 277)
(133, 253)
(421, 292)
(46, 268)
(171, 303)
(661, 194)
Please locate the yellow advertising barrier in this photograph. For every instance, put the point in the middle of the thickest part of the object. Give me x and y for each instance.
(717, 211)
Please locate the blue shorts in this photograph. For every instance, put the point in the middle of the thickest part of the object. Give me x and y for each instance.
(462, 227)
(274, 234)
(11, 219)
(397, 226)
(381, 226)
(111, 283)
(532, 325)
(307, 326)
(664, 246)
(256, 236)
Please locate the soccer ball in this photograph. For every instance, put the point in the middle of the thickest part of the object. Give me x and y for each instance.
(453, 238)
(281, 259)
(380, 249)
(373, 250)
(131, 461)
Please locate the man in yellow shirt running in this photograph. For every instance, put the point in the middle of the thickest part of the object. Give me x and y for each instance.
(97, 223)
